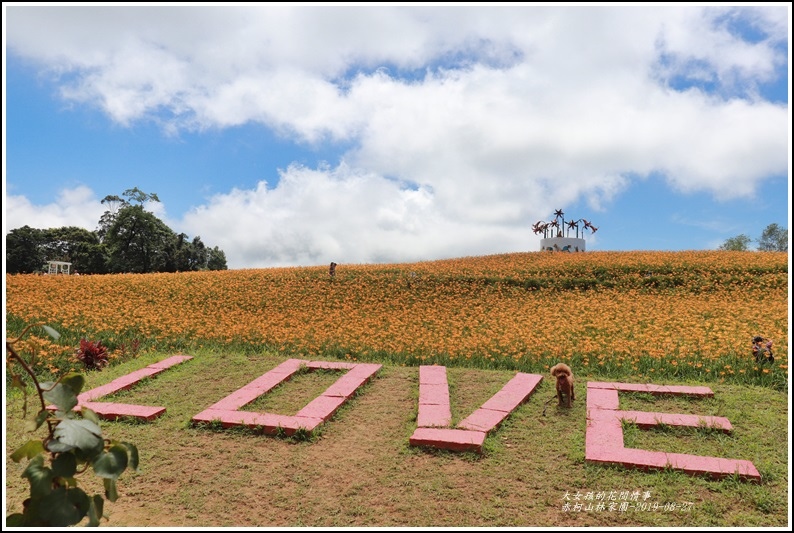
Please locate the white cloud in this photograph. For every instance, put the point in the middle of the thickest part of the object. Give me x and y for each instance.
(73, 207)
(706, 45)
(464, 123)
(318, 216)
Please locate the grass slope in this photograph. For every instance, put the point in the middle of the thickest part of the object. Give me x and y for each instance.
(359, 470)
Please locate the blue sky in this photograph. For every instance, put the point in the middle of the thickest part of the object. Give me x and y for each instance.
(304, 135)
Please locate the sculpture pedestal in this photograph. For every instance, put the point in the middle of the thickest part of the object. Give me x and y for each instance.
(562, 244)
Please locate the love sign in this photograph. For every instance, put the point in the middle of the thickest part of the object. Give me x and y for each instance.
(603, 438)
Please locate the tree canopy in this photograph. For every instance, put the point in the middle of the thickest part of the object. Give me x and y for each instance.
(773, 239)
(137, 241)
(128, 239)
(740, 243)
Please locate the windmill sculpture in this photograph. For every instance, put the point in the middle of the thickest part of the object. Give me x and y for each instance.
(557, 233)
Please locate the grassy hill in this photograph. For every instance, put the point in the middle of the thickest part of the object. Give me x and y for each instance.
(641, 317)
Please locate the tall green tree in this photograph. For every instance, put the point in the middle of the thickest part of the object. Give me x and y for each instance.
(137, 195)
(740, 243)
(23, 250)
(185, 255)
(138, 241)
(116, 203)
(216, 259)
(773, 239)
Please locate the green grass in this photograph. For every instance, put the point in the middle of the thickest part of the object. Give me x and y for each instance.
(293, 394)
(360, 471)
(735, 368)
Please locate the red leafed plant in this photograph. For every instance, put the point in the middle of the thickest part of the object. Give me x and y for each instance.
(92, 354)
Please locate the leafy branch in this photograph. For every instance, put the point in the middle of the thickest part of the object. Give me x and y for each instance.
(72, 445)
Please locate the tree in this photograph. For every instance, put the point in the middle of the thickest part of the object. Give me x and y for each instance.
(28, 249)
(773, 239)
(23, 250)
(740, 243)
(196, 254)
(116, 204)
(216, 259)
(184, 255)
(127, 239)
(137, 195)
(76, 245)
(138, 241)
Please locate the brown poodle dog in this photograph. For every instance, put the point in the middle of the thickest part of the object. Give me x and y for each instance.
(564, 376)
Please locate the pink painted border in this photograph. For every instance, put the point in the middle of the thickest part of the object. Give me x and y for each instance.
(604, 433)
(114, 411)
(321, 409)
(434, 415)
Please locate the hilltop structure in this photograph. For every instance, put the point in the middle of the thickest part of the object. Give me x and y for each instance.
(557, 233)
(58, 267)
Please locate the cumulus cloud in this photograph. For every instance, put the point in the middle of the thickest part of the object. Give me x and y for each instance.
(463, 124)
(344, 215)
(73, 207)
(708, 46)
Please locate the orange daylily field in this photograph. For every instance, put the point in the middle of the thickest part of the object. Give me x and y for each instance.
(635, 315)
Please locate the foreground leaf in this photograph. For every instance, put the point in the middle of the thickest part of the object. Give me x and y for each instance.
(82, 434)
(64, 465)
(64, 507)
(88, 414)
(56, 446)
(74, 381)
(61, 395)
(30, 449)
(133, 451)
(111, 492)
(51, 332)
(112, 463)
(39, 476)
(95, 510)
(41, 417)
